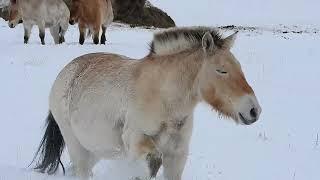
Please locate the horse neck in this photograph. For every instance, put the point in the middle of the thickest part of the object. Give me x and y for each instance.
(182, 71)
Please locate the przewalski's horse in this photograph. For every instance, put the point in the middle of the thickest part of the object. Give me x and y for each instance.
(109, 106)
(92, 15)
(53, 14)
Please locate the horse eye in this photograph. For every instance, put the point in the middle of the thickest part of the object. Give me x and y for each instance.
(221, 71)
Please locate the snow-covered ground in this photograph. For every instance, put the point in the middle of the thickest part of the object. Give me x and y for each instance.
(282, 63)
(241, 12)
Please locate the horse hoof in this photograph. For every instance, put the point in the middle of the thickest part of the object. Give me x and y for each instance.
(25, 40)
(103, 40)
(81, 41)
(61, 40)
(96, 40)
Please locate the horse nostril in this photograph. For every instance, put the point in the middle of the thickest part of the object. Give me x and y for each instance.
(253, 113)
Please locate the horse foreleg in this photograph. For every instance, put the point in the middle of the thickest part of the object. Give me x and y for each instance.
(41, 27)
(173, 165)
(63, 30)
(55, 33)
(103, 35)
(96, 35)
(175, 148)
(141, 147)
(27, 31)
(82, 30)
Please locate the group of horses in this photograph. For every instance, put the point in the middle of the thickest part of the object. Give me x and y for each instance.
(91, 15)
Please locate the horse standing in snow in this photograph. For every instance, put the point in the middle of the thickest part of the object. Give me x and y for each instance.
(93, 14)
(53, 14)
(110, 106)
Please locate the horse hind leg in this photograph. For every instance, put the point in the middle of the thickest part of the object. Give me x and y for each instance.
(103, 35)
(82, 160)
(42, 32)
(61, 35)
(82, 31)
(96, 31)
(62, 31)
(27, 31)
(55, 33)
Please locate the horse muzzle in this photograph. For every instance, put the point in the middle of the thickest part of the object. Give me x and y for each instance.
(72, 22)
(11, 25)
(249, 110)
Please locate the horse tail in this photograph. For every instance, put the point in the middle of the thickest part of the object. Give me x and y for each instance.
(50, 148)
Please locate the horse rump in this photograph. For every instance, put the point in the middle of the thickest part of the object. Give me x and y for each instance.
(50, 148)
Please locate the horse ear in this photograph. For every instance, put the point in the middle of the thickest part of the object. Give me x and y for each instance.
(229, 41)
(208, 43)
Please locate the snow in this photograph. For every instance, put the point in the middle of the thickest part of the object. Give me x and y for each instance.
(283, 69)
(241, 12)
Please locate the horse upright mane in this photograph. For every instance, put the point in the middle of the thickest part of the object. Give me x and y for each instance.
(175, 40)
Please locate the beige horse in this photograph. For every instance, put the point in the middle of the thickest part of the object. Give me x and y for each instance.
(53, 14)
(109, 106)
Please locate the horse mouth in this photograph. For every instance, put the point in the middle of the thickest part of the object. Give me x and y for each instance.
(72, 22)
(244, 120)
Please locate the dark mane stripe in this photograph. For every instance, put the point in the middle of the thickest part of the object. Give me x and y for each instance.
(175, 40)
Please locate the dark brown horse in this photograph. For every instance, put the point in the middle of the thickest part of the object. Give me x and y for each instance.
(92, 15)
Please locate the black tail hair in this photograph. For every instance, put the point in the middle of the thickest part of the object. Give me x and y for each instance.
(50, 148)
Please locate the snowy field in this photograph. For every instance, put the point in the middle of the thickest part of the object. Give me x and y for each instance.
(283, 69)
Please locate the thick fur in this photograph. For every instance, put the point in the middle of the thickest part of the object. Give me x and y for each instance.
(50, 148)
(109, 106)
(175, 40)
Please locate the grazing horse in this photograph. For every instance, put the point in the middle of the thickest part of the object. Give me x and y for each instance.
(53, 14)
(108, 106)
(93, 14)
